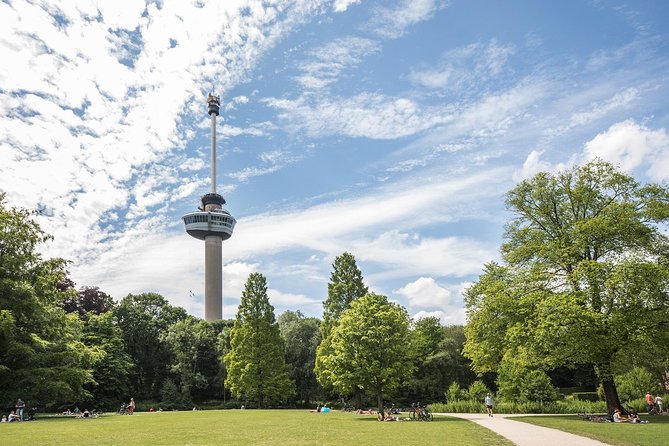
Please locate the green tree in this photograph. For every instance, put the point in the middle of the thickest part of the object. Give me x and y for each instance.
(144, 319)
(193, 345)
(477, 391)
(301, 336)
(523, 384)
(345, 286)
(455, 393)
(633, 384)
(585, 264)
(437, 355)
(42, 358)
(102, 334)
(370, 347)
(256, 365)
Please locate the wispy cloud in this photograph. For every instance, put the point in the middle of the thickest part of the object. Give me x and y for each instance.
(393, 22)
(461, 68)
(327, 63)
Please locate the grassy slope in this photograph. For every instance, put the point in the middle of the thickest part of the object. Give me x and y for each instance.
(248, 427)
(654, 433)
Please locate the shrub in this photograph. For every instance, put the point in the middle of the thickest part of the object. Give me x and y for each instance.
(571, 406)
(173, 398)
(477, 391)
(635, 383)
(586, 396)
(520, 384)
(454, 392)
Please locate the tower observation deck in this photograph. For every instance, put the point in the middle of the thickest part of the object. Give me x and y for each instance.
(213, 224)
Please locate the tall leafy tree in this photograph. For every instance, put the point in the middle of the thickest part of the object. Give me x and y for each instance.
(585, 279)
(42, 358)
(256, 366)
(301, 335)
(144, 318)
(345, 286)
(193, 344)
(102, 334)
(370, 346)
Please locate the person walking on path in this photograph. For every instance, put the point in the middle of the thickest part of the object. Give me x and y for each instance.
(658, 403)
(131, 406)
(488, 404)
(20, 405)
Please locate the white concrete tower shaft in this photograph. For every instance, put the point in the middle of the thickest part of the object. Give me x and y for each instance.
(213, 262)
(213, 224)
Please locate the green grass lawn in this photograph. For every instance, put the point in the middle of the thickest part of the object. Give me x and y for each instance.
(654, 433)
(245, 427)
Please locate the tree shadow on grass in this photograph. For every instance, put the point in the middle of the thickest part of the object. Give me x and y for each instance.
(436, 420)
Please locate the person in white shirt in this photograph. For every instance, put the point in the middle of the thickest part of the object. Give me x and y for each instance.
(658, 403)
(488, 404)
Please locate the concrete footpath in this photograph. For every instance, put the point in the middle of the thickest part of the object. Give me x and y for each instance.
(525, 434)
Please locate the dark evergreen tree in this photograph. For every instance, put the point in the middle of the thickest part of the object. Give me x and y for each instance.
(256, 366)
(345, 286)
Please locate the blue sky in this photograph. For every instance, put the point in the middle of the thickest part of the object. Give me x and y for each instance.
(387, 129)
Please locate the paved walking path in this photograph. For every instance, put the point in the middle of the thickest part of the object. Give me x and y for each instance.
(525, 434)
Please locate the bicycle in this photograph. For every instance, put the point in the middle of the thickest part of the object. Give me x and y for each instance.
(420, 413)
(123, 410)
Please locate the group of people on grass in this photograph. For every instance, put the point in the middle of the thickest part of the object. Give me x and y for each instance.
(17, 414)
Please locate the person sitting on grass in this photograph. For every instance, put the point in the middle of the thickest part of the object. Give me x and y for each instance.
(633, 418)
(619, 418)
(13, 417)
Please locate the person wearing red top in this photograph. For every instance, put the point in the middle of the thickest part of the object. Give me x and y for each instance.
(650, 403)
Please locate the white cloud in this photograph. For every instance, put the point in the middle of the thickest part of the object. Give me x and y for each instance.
(455, 316)
(425, 292)
(342, 5)
(533, 164)
(462, 68)
(366, 115)
(96, 95)
(630, 145)
(326, 63)
(392, 23)
(289, 300)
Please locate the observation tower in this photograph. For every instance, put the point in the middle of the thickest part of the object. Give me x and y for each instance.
(213, 224)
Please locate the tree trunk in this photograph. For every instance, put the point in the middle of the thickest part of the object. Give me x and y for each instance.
(611, 395)
(379, 400)
(357, 397)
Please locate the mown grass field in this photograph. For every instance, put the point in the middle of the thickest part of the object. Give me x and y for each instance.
(245, 427)
(655, 433)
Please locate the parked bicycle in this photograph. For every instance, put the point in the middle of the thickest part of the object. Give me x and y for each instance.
(420, 413)
(123, 410)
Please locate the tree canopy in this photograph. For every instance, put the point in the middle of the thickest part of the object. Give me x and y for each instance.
(345, 286)
(42, 357)
(584, 279)
(256, 365)
(370, 347)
